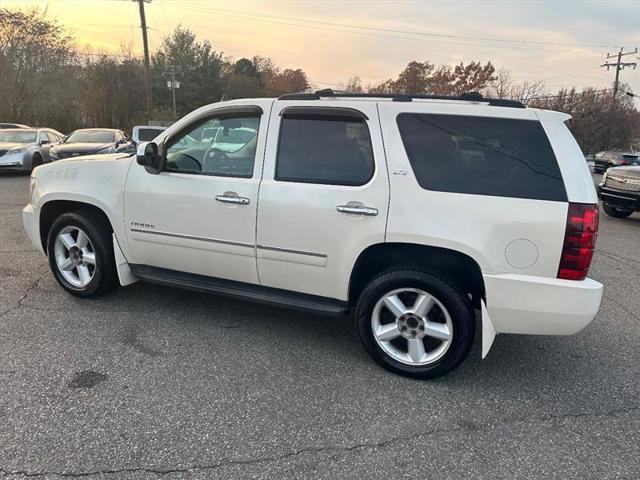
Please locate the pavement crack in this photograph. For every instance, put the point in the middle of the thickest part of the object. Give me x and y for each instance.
(320, 449)
(24, 296)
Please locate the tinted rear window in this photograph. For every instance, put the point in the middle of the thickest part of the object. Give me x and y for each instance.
(482, 156)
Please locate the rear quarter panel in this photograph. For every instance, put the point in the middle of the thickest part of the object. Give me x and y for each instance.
(481, 226)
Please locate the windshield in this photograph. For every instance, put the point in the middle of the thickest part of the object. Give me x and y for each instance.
(91, 136)
(18, 136)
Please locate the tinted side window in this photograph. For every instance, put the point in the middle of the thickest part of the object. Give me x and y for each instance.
(223, 146)
(324, 149)
(482, 156)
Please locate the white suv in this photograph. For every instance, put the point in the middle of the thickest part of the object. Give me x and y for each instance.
(410, 212)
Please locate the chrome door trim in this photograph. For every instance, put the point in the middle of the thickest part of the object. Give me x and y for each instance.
(192, 237)
(288, 250)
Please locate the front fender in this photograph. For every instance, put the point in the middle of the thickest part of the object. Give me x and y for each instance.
(96, 182)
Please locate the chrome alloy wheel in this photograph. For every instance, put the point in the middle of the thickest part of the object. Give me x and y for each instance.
(75, 256)
(412, 326)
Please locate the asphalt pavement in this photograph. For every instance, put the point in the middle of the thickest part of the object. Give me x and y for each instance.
(153, 382)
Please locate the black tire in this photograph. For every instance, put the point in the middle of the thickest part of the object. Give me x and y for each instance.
(105, 277)
(454, 299)
(36, 160)
(615, 211)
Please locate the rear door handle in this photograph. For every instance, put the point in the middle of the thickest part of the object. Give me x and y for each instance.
(229, 197)
(357, 210)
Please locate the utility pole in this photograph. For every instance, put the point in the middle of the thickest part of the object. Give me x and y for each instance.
(619, 65)
(145, 44)
(173, 84)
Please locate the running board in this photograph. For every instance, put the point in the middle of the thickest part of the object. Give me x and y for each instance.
(244, 291)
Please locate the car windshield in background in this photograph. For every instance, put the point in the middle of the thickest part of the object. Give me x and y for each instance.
(91, 136)
(148, 134)
(18, 136)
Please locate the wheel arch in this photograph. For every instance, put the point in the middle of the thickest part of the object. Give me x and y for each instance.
(52, 209)
(444, 262)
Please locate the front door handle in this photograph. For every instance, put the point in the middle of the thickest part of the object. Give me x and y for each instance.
(358, 210)
(230, 197)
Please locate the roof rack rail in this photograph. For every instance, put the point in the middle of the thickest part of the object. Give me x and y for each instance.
(401, 97)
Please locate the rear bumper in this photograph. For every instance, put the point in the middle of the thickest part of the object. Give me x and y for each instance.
(541, 306)
(619, 198)
(31, 221)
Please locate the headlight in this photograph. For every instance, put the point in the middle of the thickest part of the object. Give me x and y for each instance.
(106, 150)
(17, 150)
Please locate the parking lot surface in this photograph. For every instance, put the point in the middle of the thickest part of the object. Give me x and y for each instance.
(153, 382)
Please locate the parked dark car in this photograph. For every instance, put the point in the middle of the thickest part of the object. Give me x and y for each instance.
(90, 141)
(12, 125)
(620, 191)
(605, 160)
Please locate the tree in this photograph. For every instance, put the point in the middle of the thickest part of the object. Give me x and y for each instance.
(599, 122)
(502, 86)
(289, 81)
(110, 93)
(276, 82)
(199, 71)
(352, 85)
(37, 70)
(421, 78)
(242, 80)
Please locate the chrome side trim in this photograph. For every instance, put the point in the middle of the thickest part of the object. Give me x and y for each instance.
(288, 250)
(226, 242)
(192, 237)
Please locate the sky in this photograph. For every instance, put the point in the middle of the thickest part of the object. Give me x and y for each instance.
(561, 42)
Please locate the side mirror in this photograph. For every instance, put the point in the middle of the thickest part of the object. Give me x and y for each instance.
(45, 142)
(148, 157)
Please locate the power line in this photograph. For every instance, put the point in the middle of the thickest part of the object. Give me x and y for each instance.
(285, 19)
(619, 66)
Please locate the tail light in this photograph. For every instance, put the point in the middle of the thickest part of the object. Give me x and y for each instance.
(579, 241)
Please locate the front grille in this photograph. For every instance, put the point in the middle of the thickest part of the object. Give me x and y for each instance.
(3, 151)
(623, 182)
(71, 154)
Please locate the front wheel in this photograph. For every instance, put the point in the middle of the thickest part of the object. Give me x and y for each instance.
(415, 324)
(80, 250)
(615, 211)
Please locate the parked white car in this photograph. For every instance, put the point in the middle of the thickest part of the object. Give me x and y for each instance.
(411, 213)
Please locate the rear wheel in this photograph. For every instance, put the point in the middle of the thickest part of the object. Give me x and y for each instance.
(80, 250)
(616, 211)
(415, 324)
